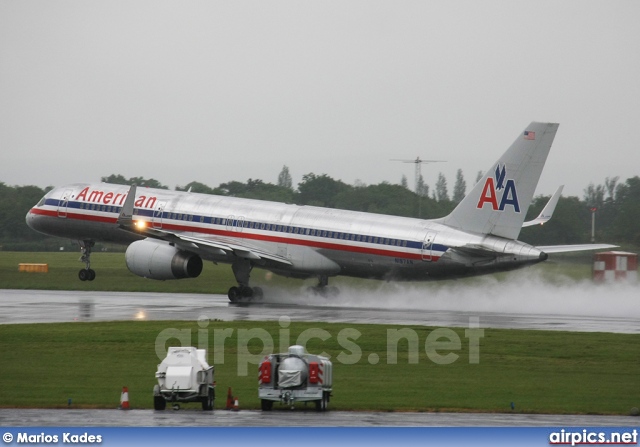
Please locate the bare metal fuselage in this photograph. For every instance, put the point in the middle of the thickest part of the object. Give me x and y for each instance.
(315, 241)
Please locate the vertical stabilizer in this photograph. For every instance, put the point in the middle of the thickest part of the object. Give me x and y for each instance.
(498, 203)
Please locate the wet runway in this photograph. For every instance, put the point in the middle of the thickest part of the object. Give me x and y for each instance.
(243, 418)
(36, 306)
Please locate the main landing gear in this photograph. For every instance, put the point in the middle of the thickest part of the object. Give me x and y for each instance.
(87, 273)
(324, 289)
(243, 292)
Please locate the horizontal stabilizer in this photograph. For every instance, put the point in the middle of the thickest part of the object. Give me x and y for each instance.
(569, 248)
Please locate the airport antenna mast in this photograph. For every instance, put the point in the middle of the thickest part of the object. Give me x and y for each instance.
(418, 174)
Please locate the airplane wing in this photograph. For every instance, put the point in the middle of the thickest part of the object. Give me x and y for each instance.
(569, 248)
(547, 211)
(214, 244)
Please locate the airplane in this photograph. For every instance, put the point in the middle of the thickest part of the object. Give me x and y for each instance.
(170, 233)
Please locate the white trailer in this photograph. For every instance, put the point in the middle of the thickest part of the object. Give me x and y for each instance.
(293, 377)
(184, 376)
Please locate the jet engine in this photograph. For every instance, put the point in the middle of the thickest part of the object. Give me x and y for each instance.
(155, 259)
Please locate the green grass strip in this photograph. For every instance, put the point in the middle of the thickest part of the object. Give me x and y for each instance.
(112, 275)
(44, 365)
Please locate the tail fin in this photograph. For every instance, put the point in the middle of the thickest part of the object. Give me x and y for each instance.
(498, 203)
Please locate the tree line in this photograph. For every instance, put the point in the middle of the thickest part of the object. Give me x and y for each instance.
(616, 204)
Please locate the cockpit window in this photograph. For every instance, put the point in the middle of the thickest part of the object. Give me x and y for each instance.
(44, 199)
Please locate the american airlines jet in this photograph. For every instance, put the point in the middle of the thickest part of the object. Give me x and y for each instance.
(169, 233)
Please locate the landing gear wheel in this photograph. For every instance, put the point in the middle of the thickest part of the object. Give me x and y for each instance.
(323, 288)
(324, 291)
(266, 405)
(243, 292)
(234, 294)
(246, 292)
(86, 274)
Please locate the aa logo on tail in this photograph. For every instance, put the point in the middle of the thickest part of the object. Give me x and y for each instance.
(502, 187)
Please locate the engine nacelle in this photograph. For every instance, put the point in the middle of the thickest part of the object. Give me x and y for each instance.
(155, 259)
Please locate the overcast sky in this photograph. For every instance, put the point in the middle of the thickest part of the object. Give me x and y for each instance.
(215, 91)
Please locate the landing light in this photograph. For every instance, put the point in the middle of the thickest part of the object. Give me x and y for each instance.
(140, 224)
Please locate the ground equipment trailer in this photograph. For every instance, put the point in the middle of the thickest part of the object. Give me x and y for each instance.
(295, 377)
(184, 376)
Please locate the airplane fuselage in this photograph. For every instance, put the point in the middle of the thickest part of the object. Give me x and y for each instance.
(315, 241)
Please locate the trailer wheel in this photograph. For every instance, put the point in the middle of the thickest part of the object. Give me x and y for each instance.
(321, 405)
(207, 401)
(159, 403)
(266, 405)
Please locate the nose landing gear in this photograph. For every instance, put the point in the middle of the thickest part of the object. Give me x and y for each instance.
(87, 273)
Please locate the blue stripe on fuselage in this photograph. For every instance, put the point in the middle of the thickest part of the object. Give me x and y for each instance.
(172, 218)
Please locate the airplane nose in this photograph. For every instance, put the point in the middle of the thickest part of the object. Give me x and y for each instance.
(33, 220)
(29, 219)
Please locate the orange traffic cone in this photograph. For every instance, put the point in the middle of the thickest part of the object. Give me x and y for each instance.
(229, 400)
(124, 398)
(236, 406)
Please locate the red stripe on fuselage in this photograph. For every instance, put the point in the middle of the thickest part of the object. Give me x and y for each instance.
(244, 235)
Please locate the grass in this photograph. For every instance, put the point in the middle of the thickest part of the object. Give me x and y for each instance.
(43, 365)
(113, 275)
